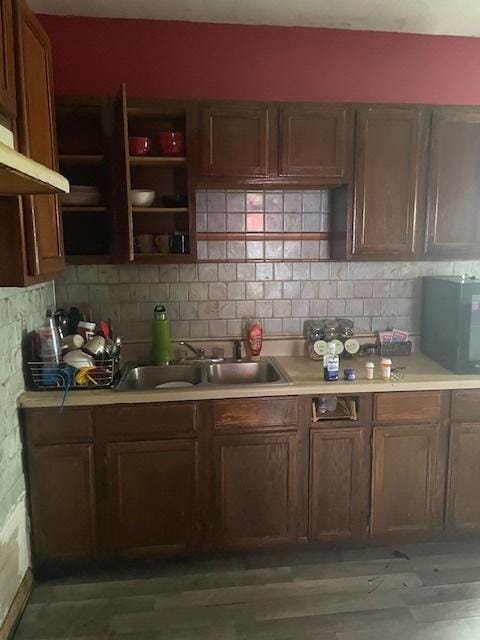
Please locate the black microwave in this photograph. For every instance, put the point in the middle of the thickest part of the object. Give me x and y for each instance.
(450, 330)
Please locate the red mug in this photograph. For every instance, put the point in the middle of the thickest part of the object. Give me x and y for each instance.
(171, 143)
(139, 145)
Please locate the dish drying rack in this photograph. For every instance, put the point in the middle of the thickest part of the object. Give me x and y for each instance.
(48, 376)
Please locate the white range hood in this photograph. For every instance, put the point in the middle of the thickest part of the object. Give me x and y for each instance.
(19, 175)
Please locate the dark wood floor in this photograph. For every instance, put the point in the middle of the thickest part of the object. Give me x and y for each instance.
(432, 592)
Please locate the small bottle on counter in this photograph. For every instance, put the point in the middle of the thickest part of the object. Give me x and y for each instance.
(349, 374)
(386, 365)
(369, 367)
(331, 364)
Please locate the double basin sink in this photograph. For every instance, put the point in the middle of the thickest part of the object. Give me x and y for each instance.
(141, 378)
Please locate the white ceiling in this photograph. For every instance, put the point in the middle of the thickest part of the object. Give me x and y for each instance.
(456, 17)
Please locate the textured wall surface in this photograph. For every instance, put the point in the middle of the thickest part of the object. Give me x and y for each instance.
(211, 299)
(21, 310)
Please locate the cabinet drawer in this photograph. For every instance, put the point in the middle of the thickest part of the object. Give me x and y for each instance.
(466, 405)
(404, 407)
(150, 421)
(48, 426)
(256, 413)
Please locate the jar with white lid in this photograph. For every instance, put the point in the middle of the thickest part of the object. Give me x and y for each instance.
(386, 365)
(369, 367)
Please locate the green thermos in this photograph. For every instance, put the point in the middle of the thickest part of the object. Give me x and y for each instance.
(161, 336)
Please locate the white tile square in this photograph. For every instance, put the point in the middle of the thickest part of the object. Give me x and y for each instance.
(207, 272)
(310, 249)
(216, 201)
(245, 271)
(292, 202)
(292, 249)
(217, 291)
(201, 201)
(273, 250)
(274, 201)
(217, 249)
(255, 290)
(255, 201)
(264, 308)
(274, 222)
(216, 222)
(236, 222)
(264, 271)
(311, 201)
(236, 250)
(236, 201)
(255, 250)
(292, 222)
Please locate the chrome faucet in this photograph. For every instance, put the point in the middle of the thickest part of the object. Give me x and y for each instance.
(199, 353)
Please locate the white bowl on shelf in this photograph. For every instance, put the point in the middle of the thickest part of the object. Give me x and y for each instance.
(81, 196)
(142, 197)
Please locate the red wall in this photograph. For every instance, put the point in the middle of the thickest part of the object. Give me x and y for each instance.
(201, 60)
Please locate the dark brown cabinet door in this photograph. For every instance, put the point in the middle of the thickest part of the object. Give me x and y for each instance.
(404, 479)
(463, 503)
(237, 140)
(7, 61)
(339, 483)
(152, 487)
(256, 488)
(313, 141)
(36, 131)
(389, 160)
(453, 211)
(62, 487)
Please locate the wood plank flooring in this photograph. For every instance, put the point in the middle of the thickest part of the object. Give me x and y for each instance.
(372, 594)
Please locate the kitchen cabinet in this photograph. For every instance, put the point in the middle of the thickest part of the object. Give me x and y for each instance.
(152, 487)
(237, 140)
(31, 243)
(404, 480)
(453, 211)
(267, 143)
(8, 99)
(255, 489)
(62, 483)
(463, 504)
(171, 178)
(84, 133)
(313, 141)
(388, 190)
(339, 483)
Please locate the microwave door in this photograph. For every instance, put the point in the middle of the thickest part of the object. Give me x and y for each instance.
(469, 338)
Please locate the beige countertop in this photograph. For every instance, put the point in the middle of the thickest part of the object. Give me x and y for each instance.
(420, 374)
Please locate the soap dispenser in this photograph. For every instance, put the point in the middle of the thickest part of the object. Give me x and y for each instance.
(161, 336)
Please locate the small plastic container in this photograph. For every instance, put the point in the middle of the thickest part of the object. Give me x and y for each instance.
(349, 374)
(86, 329)
(386, 365)
(369, 369)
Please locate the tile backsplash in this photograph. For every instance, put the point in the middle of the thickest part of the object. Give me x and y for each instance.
(246, 214)
(211, 299)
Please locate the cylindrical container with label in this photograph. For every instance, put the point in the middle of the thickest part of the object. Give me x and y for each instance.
(369, 367)
(386, 365)
(86, 329)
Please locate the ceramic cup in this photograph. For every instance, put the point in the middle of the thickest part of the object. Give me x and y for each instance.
(143, 243)
(161, 243)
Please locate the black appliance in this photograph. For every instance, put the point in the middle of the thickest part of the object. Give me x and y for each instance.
(450, 331)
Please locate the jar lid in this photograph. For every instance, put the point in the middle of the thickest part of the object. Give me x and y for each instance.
(370, 365)
(385, 361)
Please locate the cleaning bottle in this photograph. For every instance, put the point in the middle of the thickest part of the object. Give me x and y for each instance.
(330, 364)
(161, 336)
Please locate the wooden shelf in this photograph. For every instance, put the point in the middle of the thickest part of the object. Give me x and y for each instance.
(158, 161)
(85, 209)
(157, 258)
(148, 210)
(88, 259)
(81, 159)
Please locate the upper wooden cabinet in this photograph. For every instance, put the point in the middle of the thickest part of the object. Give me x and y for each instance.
(31, 231)
(313, 140)
(238, 140)
(7, 59)
(389, 161)
(453, 212)
(254, 143)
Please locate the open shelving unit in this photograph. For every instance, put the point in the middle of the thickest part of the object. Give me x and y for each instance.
(166, 175)
(84, 142)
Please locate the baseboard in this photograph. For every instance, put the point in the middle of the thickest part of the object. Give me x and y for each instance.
(17, 607)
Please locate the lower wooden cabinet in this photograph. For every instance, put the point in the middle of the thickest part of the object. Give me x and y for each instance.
(463, 498)
(63, 502)
(152, 501)
(255, 489)
(339, 483)
(403, 479)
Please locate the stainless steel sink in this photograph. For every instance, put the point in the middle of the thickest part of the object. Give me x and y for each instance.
(263, 372)
(144, 378)
(151, 377)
